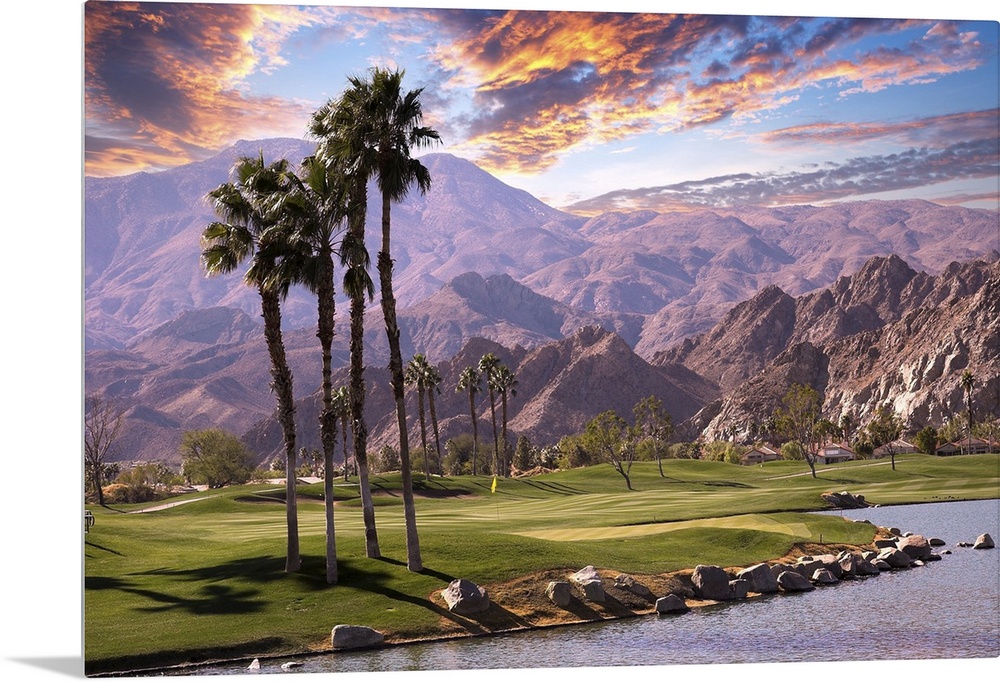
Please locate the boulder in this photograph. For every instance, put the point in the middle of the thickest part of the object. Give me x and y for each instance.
(881, 565)
(793, 581)
(671, 604)
(761, 579)
(845, 500)
(355, 637)
(984, 541)
(808, 567)
(895, 558)
(865, 567)
(831, 563)
(882, 544)
(915, 546)
(629, 584)
(739, 589)
(559, 593)
(824, 577)
(895, 531)
(465, 597)
(778, 569)
(588, 580)
(710, 582)
(849, 563)
(936, 542)
(933, 557)
(291, 665)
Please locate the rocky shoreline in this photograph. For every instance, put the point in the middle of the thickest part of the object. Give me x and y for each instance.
(548, 599)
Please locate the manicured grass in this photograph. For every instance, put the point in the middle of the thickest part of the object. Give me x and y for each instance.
(206, 579)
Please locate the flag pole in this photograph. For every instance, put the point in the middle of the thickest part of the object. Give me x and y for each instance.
(493, 491)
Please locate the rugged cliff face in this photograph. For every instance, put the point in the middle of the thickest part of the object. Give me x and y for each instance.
(884, 336)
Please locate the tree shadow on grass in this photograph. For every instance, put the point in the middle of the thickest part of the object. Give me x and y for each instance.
(88, 543)
(212, 599)
(557, 488)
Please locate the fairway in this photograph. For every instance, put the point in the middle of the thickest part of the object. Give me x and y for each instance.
(758, 522)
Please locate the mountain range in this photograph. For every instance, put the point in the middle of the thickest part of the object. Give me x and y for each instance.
(593, 313)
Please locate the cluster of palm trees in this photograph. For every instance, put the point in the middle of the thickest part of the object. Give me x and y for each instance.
(292, 227)
(501, 384)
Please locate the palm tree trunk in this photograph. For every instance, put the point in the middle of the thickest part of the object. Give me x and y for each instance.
(328, 418)
(413, 560)
(423, 431)
(343, 427)
(281, 384)
(357, 385)
(475, 429)
(496, 445)
(505, 459)
(434, 426)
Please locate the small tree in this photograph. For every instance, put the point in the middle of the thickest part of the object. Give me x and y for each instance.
(611, 439)
(102, 424)
(525, 456)
(458, 453)
(655, 425)
(926, 440)
(989, 430)
(884, 428)
(388, 459)
(215, 457)
(799, 419)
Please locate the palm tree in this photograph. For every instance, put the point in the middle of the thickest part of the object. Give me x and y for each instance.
(342, 407)
(469, 380)
(377, 127)
(245, 232)
(505, 383)
(314, 208)
(432, 384)
(968, 382)
(331, 124)
(414, 375)
(488, 365)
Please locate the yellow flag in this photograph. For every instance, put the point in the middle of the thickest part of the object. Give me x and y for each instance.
(493, 488)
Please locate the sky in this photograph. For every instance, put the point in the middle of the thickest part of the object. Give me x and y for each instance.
(589, 111)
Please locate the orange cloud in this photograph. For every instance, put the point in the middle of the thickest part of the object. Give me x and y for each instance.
(547, 83)
(170, 79)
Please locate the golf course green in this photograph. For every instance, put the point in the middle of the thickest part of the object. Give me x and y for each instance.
(205, 580)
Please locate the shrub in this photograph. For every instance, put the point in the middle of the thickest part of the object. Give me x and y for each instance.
(120, 493)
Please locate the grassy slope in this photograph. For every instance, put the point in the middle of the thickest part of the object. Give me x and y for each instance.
(206, 579)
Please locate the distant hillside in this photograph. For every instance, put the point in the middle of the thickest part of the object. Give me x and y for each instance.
(679, 272)
(704, 303)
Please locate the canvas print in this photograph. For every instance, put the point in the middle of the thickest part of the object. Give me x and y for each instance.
(472, 338)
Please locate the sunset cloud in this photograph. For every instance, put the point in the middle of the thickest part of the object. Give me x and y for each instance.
(536, 97)
(168, 80)
(550, 83)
